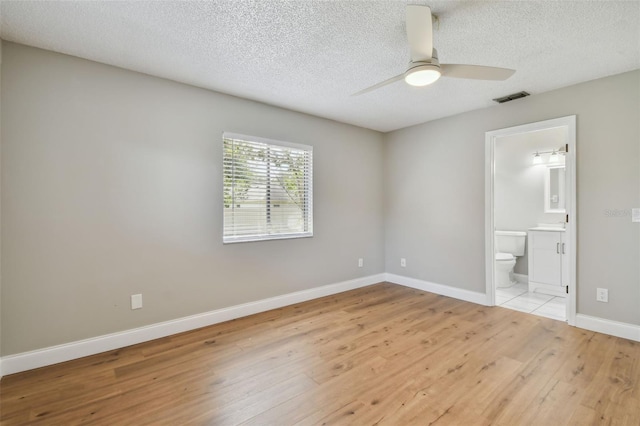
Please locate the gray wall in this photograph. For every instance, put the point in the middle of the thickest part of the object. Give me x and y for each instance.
(0, 203)
(112, 185)
(519, 185)
(434, 194)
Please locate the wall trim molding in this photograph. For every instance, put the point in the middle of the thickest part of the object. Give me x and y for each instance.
(441, 289)
(613, 328)
(65, 352)
(587, 322)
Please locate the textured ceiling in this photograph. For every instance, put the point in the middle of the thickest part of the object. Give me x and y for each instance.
(310, 56)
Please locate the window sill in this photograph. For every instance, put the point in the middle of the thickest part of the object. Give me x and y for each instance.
(254, 238)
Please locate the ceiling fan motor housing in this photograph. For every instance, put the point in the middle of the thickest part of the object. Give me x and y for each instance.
(423, 73)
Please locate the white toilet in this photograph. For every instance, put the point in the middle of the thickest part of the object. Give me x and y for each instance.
(509, 245)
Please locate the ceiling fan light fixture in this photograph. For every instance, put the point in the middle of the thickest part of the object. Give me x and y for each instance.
(424, 67)
(422, 75)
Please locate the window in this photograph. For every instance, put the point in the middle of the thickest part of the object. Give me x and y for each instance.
(267, 189)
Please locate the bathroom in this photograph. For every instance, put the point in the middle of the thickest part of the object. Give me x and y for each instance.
(529, 222)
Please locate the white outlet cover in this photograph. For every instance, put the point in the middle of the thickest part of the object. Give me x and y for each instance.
(602, 295)
(136, 301)
(635, 215)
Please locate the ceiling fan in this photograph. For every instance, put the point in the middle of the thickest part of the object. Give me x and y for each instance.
(424, 67)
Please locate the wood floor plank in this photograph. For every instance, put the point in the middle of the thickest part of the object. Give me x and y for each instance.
(382, 354)
(364, 376)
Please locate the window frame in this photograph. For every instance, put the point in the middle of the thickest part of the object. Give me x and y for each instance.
(308, 217)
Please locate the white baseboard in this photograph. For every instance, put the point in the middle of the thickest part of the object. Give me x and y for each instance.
(444, 290)
(614, 328)
(601, 325)
(521, 278)
(52, 355)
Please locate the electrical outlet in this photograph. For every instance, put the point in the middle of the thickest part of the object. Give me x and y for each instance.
(360, 263)
(136, 301)
(602, 295)
(403, 262)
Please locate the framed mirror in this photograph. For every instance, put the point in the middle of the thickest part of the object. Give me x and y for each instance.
(554, 188)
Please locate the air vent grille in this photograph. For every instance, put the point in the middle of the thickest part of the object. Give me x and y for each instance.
(511, 97)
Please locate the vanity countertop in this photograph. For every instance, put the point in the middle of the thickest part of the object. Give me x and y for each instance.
(547, 228)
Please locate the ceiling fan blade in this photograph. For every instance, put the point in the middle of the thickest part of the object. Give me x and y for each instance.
(476, 72)
(419, 32)
(379, 85)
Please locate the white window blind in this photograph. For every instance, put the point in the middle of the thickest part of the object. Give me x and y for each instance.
(267, 189)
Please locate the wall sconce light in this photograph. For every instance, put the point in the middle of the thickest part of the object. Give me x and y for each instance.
(537, 159)
(554, 158)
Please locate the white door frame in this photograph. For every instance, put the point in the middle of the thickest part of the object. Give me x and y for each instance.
(569, 123)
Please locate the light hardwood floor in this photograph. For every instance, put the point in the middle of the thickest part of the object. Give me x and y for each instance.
(383, 354)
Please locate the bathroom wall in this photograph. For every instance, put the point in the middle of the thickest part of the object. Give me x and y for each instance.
(519, 185)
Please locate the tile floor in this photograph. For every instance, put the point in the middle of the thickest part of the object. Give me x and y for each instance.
(517, 297)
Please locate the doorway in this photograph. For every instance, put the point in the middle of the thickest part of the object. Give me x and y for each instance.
(541, 157)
